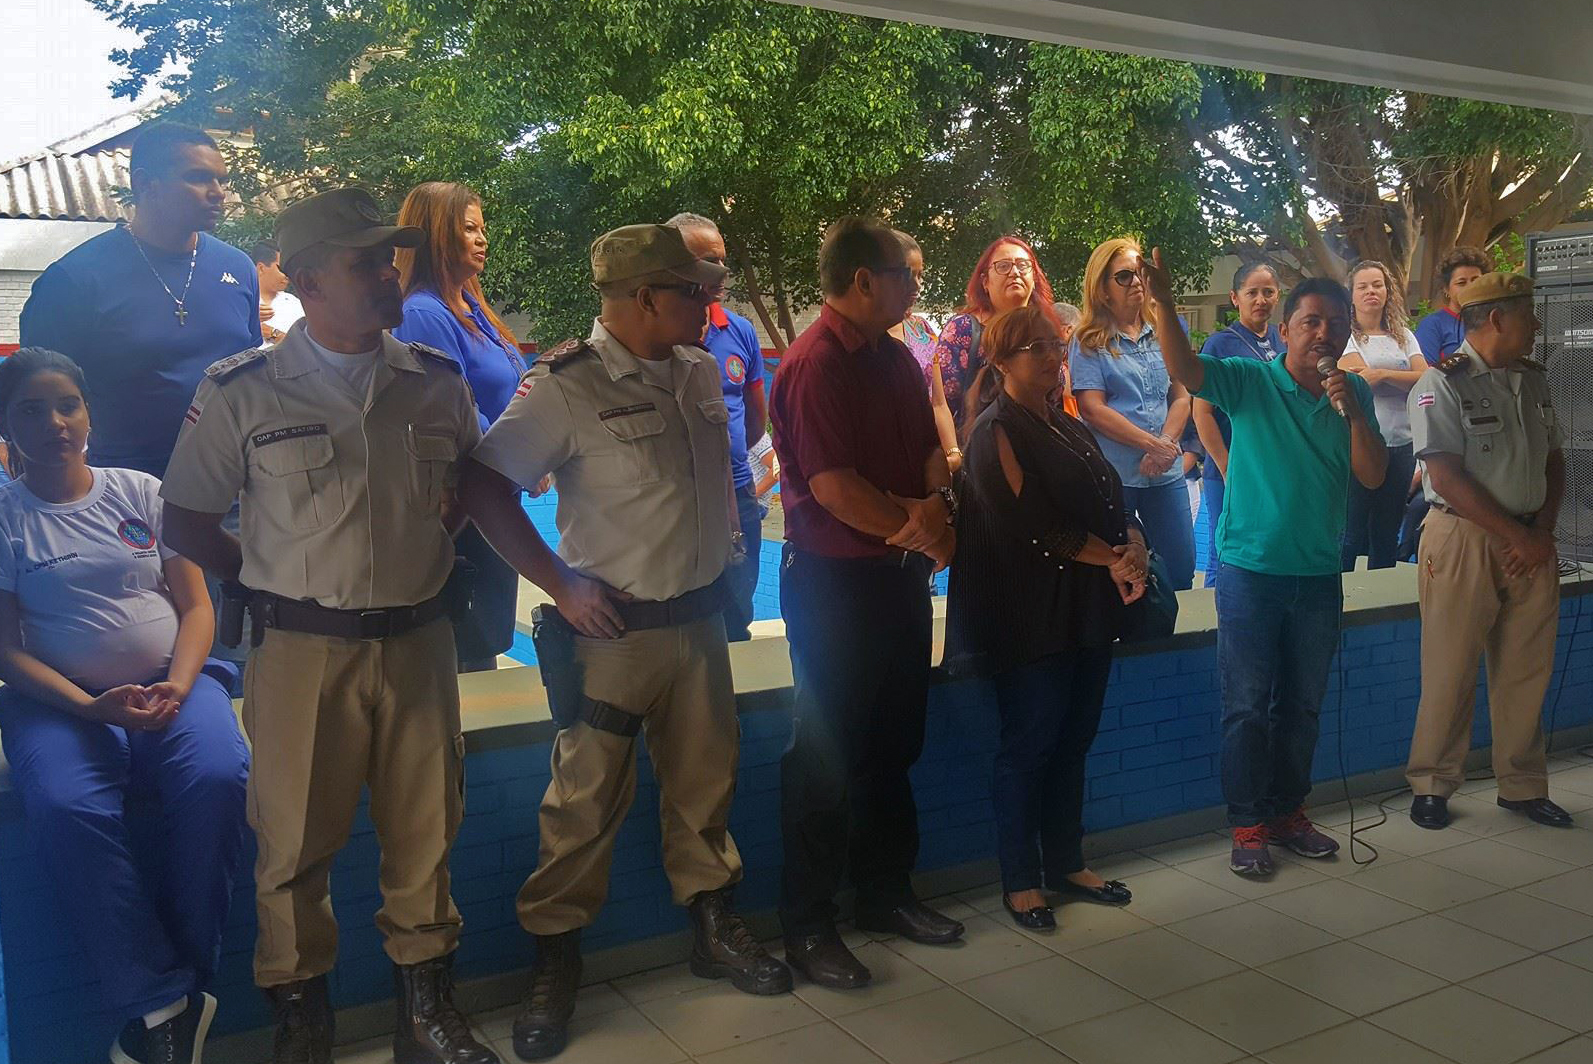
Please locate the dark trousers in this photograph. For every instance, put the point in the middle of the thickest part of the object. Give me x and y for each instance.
(743, 578)
(1049, 710)
(1169, 530)
(1276, 636)
(860, 644)
(1372, 525)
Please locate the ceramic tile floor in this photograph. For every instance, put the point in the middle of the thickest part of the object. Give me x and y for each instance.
(1472, 945)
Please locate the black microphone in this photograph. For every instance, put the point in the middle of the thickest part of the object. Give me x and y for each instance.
(1325, 365)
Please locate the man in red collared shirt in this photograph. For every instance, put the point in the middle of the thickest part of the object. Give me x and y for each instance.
(868, 516)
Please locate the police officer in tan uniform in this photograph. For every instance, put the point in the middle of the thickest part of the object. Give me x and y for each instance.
(631, 423)
(1487, 572)
(343, 444)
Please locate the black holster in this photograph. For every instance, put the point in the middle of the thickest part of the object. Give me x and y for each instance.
(229, 620)
(554, 640)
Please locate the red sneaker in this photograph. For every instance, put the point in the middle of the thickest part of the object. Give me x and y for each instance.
(1250, 855)
(1300, 835)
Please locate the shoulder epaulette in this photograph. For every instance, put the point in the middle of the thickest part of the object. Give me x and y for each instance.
(562, 353)
(437, 355)
(220, 371)
(1533, 364)
(1454, 364)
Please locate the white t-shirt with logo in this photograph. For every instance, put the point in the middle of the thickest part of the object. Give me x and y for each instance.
(1385, 352)
(89, 580)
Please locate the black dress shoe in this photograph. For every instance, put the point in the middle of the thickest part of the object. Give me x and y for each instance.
(1112, 892)
(1430, 811)
(821, 957)
(1039, 918)
(1539, 811)
(913, 921)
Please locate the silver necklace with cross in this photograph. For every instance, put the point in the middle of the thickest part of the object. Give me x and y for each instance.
(182, 312)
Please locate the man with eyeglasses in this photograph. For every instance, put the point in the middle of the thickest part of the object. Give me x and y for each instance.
(733, 342)
(869, 512)
(631, 423)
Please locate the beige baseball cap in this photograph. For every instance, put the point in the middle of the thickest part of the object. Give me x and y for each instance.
(343, 217)
(1492, 287)
(632, 252)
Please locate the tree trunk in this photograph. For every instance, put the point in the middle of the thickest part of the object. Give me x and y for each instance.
(782, 299)
(749, 278)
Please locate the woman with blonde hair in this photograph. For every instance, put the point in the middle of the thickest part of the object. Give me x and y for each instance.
(445, 308)
(1135, 409)
(1385, 354)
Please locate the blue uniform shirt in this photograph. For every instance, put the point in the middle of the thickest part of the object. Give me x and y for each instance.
(1236, 341)
(1440, 335)
(1136, 384)
(492, 366)
(733, 342)
(102, 307)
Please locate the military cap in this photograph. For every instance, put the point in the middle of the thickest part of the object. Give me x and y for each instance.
(1492, 287)
(343, 217)
(632, 252)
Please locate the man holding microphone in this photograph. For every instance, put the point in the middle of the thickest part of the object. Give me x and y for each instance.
(1301, 428)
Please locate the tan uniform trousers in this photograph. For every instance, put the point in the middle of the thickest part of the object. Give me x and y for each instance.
(327, 717)
(1470, 609)
(677, 679)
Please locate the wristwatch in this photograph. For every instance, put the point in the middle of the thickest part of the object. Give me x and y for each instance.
(949, 497)
(738, 547)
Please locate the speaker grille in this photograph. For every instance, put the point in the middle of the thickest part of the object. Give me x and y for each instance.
(1566, 346)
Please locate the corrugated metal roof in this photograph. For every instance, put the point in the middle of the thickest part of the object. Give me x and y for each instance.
(66, 187)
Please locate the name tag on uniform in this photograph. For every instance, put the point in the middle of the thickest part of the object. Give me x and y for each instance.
(1485, 423)
(295, 433)
(625, 411)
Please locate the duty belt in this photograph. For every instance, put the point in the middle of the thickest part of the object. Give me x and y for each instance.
(694, 605)
(295, 615)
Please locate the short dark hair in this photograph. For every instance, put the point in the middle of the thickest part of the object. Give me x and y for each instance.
(851, 244)
(1475, 315)
(265, 252)
(1242, 274)
(1326, 287)
(1462, 255)
(157, 148)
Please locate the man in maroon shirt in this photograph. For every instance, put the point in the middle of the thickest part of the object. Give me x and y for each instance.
(868, 508)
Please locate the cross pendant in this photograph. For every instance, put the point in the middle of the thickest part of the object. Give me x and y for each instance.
(182, 316)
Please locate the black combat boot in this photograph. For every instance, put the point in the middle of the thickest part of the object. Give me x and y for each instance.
(431, 1029)
(542, 1027)
(304, 1022)
(722, 947)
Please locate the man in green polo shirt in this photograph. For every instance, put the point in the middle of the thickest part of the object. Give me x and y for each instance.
(1298, 436)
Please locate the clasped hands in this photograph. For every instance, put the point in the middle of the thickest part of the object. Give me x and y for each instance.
(137, 707)
(1130, 570)
(1159, 457)
(925, 529)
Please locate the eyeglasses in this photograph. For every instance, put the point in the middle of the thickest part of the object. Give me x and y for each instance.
(903, 272)
(1043, 348)
(1008, 267)
(1125, 278)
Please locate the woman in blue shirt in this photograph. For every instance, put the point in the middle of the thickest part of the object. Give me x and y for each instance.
(1127, 399)
(1254, 295)
(444, 308)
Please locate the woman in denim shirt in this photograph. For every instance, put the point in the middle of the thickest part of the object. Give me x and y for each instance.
(1127, 399)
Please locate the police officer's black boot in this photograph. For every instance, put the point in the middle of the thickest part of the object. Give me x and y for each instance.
(542, 1027)
(722, 947)
(431, 1029)
(304, 1022)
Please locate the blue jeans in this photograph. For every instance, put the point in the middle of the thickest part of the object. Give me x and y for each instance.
(1213, 488)
(150, 923)
(1169, 528)
(1372, 525)
(1050, 710)
(1276, 636)
(743, 578)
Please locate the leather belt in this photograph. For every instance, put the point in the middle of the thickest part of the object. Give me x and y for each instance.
(294, 615)
(1525, 519)
(694, 605)
(891, 559)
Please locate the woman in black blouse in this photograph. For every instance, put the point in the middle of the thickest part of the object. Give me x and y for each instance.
(1046, 561)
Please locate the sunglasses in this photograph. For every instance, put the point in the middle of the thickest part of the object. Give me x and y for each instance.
(1008, 267)
(1125, 278)
(1042, 348)
(691, 289)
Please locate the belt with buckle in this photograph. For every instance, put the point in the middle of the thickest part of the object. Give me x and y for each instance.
(694, 605)
(296, 615)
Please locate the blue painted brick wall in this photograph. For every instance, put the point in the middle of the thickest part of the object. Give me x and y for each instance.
(1156, 755)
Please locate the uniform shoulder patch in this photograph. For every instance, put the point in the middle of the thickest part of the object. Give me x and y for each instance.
(561, 353)
(1454, 364)
(1533, 364)
(438, 356)
(220, 371)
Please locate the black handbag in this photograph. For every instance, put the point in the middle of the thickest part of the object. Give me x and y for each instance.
(1155, 614)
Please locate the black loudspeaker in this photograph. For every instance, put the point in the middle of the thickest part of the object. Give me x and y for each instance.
(1566, 346)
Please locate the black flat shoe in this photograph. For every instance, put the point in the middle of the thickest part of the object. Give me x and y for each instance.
(1039, 918)
(1539, 811)
(1112, 892)
(1429, 811)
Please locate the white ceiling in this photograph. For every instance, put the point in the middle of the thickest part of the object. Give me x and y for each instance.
(1533, 52)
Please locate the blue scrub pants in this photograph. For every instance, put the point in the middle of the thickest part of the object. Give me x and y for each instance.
(148, 913)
